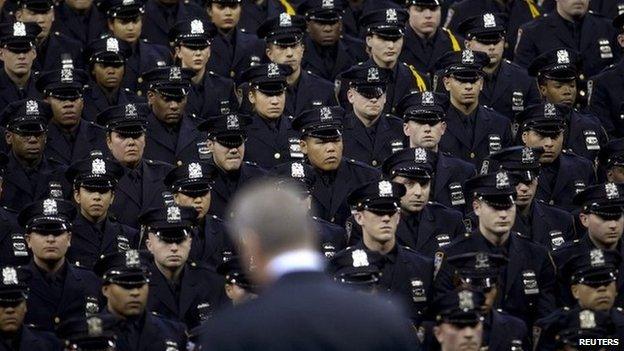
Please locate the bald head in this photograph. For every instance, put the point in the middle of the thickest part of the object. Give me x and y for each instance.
(276, 220)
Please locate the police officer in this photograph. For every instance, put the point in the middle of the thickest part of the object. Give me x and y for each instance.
(12, 243)
(191, 185)
(70, 135)
(481, 271)
(283, 35)
(384, 40)
(233, 48)
(226, 142)
(96, 232)
(172, 133)
(369, 135)
(557, 79)
(13, 300)
(52, 47)
(17, 53)
(543, 223)
(602, 218)
(328, 51)
(527, 288)
(142, 183)
(238, 287)
(162, 15)
(107, 66)
(79, 20)
(58, 289)
(406, 274)
(192, 45)
(28, 173)
(357, 269)
(474, 131)
(458, 320)
(611, 159)
(90, 333)
(336, 176)
(573, 27)
(272, 139)
(507, 87)
(179, 289)
(425, 40)
(125, 277)
(543, 125)
(424, 116)
(604, 90)
(125, 22)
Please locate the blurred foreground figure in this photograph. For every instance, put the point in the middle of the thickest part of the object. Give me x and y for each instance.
(298, 306)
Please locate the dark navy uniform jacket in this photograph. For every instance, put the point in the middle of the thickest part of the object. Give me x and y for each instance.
(425, 231)
(374, 144)
(150, 332)
(9, 92)
(450, 175)
(404, 268)
(89, 240)
(562, 179)
(32, 339)
(138, 190)
(209, 242)
(145, 56)
(269, 144)
(518, 12)
(347, 52)
(597, 42)
(76, 292)
(329, 194)
(307, 91)
(607, 99)
(21, 186)
(423, 56)
(492, 132)
(509, 90)
(50, 50)
(192, 300)
(204, 98)
(584, 135)
(156, 27)
(13, 248)
(528, 284)
(83, 28)
(332, 238)
(88, 136)
(501, 330)
(163, 144)
(546, 225)
(226, 184)
(231, 56)
(95, 101)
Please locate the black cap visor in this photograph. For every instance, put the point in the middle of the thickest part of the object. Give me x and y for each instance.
(172, 234)
(193, 187)
(561, 73)
(381, 206)
(126, 12)
(327, 131)
(481, 281)
(196, 42)
(499, 201)
(272, 88)
(596, 278)
(325, 16)
(359, 277)
(132, 128)
(430, 116)
(606, 211)
(422, 175)
(47, 225)
(13, 297)
(232, 138)
(39, 7)
(19, 45)
(65, 93)
(528, 175)
(97, 183)
(28, 126)
(285, 38)
(461, 319)
(101, 342)
(108, 59)
(488, 37)
(386, 32)
(465, 74)
(546, 127)
(172, 91)
(370, 91)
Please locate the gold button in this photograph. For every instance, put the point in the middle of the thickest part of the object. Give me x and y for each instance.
(374, 163)
(552, 202)
(232, 74)
(57, 320)
(277, 155)
(140, 80)
(333, 219)
(472, 155)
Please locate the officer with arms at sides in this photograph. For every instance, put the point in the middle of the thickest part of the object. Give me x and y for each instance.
(369, 135)
(424, 123)
(286, 263)
(537, 220)
(226, 141)
(96, 232)
(473, 130)
(271, 138)
(58, 289)
(563, 173)
(179, 288)
(527, 287)
(125, 276)
(406, 274)
(336, 176)
(142, 183)
(191, 186)
(192, 45)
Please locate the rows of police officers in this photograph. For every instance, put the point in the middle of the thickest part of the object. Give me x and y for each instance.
(468, 171)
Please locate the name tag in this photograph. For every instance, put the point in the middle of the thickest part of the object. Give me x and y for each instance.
(443, 239)
(123, 244)
(495, 143)
(605, 49)
(20, 249)
(294, 148)
(396, 145)
(579, 186)
(202, 150)
(517, 101)
(529, 281)
(418, 290)
(556, 239)
(457, 194)
(591, 140)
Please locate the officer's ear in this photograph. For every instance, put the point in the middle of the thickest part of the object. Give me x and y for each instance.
(351, 95)
(151, 96)
(106, 291)
(8, 137)
(176, 53)
(210, 145)
(369, 38)
(269, 51)
(2, 55)
(584, 217)
(406, 129)
(620, 40)
(110, 23)
(28, 240)
(575, 289)
(476, 207)
(437, 332)
(149, 244)
(610, 176)
(303, 144)
(467, 44)
(443, 127)
(524, 137)
(251, 95)
(359, 218)
(76, 194)
(447, 83)
(109, 140)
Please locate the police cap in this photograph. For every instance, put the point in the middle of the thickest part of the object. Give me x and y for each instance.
(425, 107)
(109, 51)
(386, 23)
(605, 200)
(320, 122)
(234, 273)
(65, 84)
(14, 282)
(461, 307)
(382, 197)
(48, 216)
(297, 174)
(522, 160)
(89, 333)
(322, 11)
(558, 64)
(228, 130)
(269, 79)
(478, 269)
(283, 30)
(170, 81)
(36, 6)
(193, 33)
(496, 189)
(356, 267)
(170, 223)
(488, 28)
(27, 116)
(122, 9)
(545, 118)
(412, 163)
(465, 65)
(124, 268)
(368, 80)
(192, 179)
(612, 154)
(594, 267)
(127, 119)
(19, 36)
